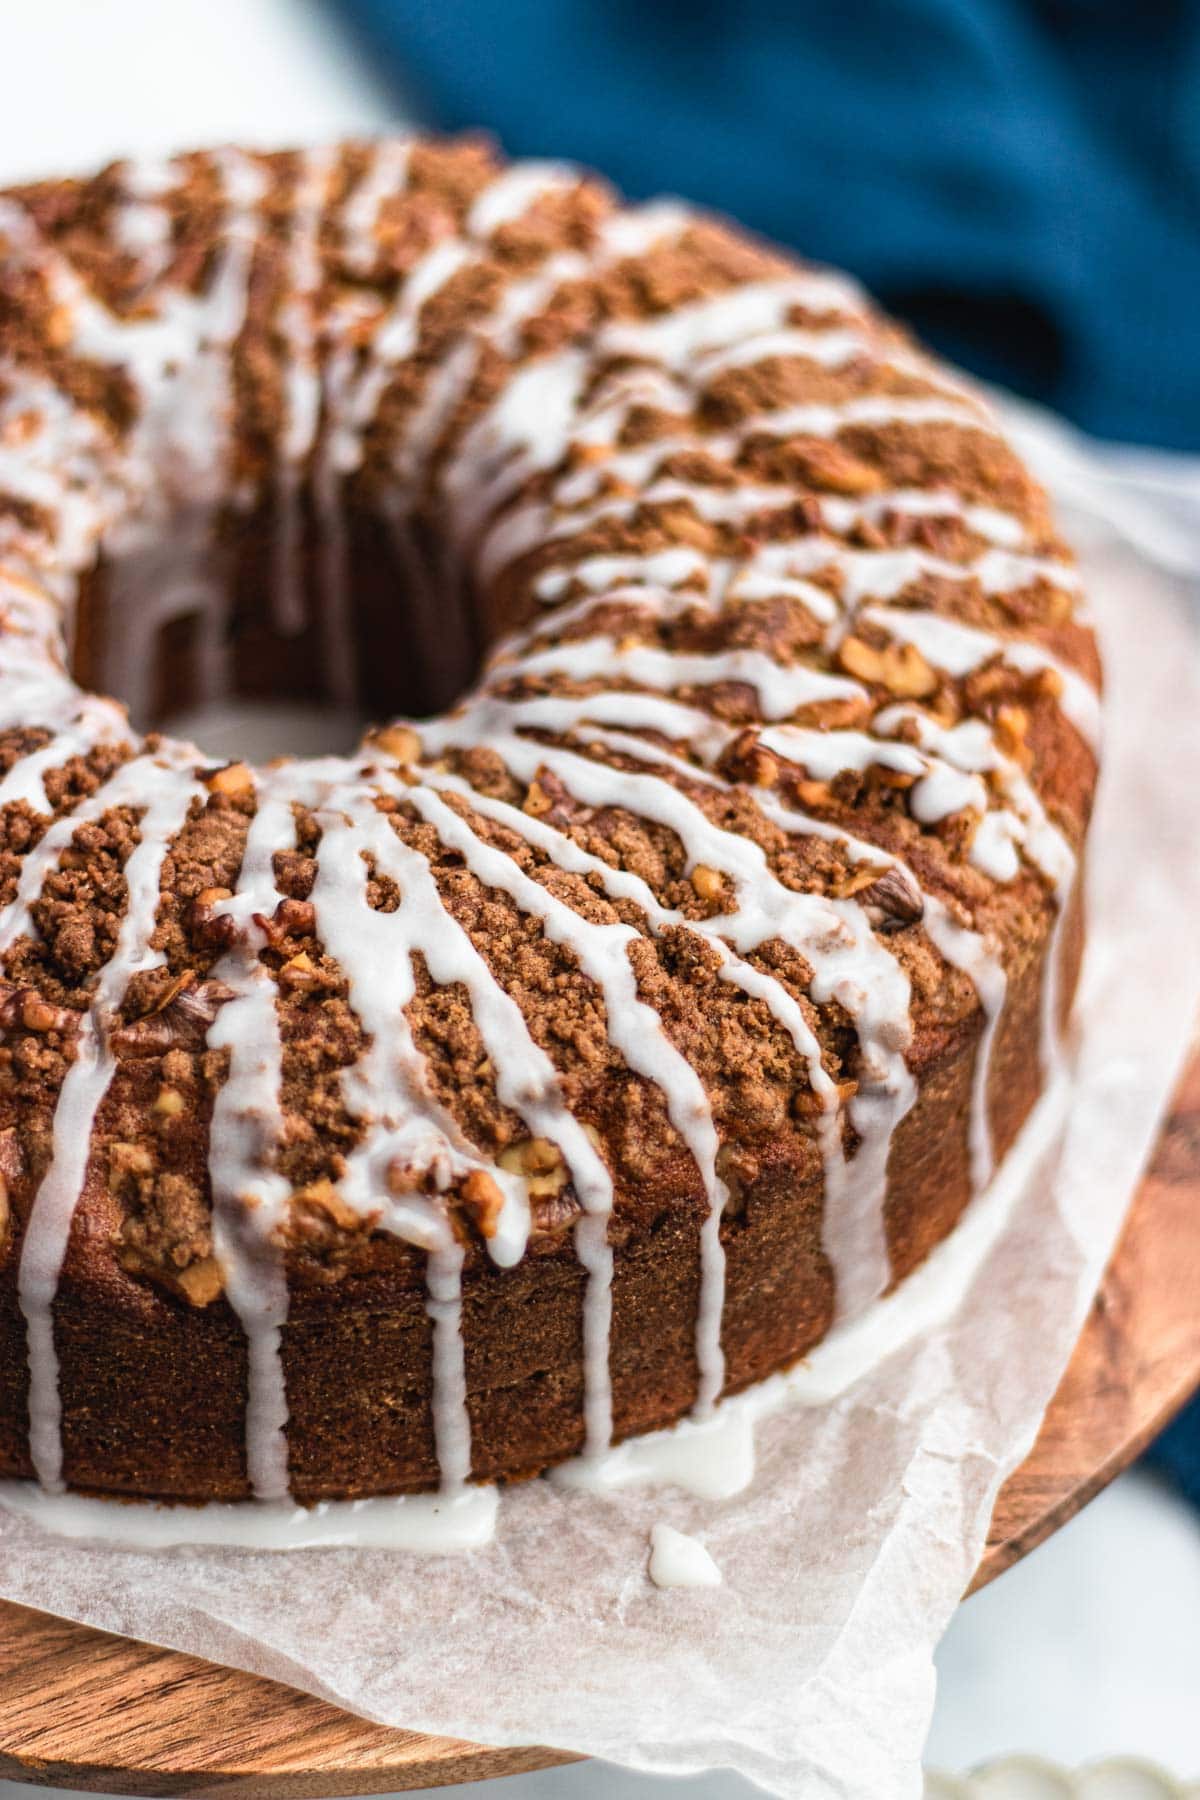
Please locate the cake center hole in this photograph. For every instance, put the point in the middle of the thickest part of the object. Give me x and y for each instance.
(261, 634)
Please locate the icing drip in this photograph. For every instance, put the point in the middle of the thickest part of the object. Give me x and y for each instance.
(248, 1203)
(302, 385)
(677, 1560)
(250, 1198)
(385, 177)
(162, 792)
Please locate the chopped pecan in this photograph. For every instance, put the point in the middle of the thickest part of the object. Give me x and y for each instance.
(709, 884)
(552, 1214)
(747, 759)
(212, 929)
(482, 1201)
(234, 781)
(539, 1161)
(300, 975)
(24, 1009)
(831, 467)
(898, 667)
(399, 742)
(180, 1025)
(893, 900)
(291, 918)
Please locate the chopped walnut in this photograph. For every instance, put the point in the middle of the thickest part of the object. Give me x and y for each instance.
(748, 760)
(322, 1198)
(180, 1025)
(552, 1214)
(708, 883)
(806, 1104)
(829, 466)
(1012, 723)
(482, 1201)
(539, 1161)
(397, 741)
(291, 918)
(813, 793)
(234, 781)
(211, 929)
(127, 1161)
(537, 801)
(201, 1282)
(300, 974)
(893, 900)
(898, 667)
(23, 1008)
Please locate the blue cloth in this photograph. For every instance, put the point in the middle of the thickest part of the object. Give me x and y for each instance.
(1177, 1452)
(1018, 178)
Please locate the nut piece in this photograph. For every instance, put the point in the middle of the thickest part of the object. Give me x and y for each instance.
(539, 1161)
(25, 1009)
(483, 1202)
(807, 1105)
(900, 668)
(291, 918)
(126, 1160)
(177, 1025)
(893, 900)
(168, 1103)
(748, 760)
(708, 883)
(813, 793)
(397, 741)
(299, 974)
(828, 465)
(1012, 723)
(323, 1197)
(211, 929)
(233, 781)
(537, 800)
(201, 1282)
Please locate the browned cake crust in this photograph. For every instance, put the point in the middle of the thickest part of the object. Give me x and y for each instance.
(786, 626)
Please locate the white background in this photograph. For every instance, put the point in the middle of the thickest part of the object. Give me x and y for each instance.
(1090, 1648)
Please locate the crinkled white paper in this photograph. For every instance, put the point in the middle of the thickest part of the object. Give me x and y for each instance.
(810, 1668)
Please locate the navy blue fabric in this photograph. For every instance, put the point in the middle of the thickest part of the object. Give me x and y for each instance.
(1021, 180)
(1177, 1452)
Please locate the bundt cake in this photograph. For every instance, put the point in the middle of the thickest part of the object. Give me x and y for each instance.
(570, 1054)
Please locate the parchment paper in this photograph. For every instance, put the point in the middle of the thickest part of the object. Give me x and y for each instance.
(810, 1669)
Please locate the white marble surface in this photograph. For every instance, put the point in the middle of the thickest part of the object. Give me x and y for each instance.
(1092, 1647)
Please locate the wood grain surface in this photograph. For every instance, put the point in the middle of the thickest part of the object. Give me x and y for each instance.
(81, 1709)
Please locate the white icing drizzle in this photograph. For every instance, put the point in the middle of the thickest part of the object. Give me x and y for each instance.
(385, 177)
(515, 192)
(249, 1201)
(301, 384)
(677, 1560)
(968, 951)
(412, 1156)
(163, 792)
(250, 1197)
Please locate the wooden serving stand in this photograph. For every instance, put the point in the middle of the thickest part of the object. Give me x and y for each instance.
(81, 1709)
